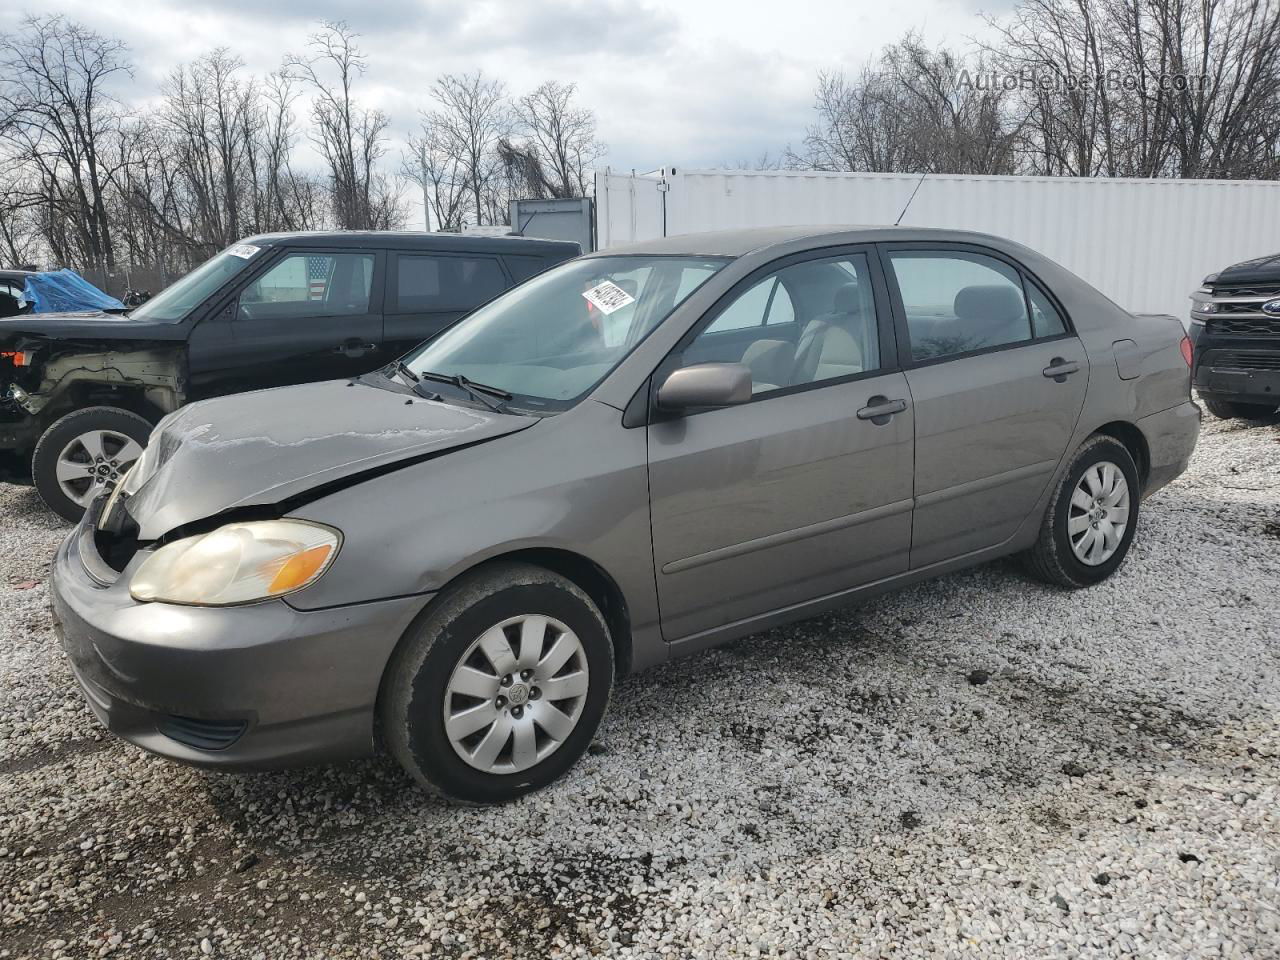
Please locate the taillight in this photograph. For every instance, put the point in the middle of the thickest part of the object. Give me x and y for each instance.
(1185, 347)
(20, 358)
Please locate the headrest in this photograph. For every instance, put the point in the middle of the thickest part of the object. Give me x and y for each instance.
(993, 303)
(847, 299)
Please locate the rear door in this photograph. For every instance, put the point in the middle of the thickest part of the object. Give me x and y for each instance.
(309, 315)
(804, 491)
(997, 378)
(426, 292)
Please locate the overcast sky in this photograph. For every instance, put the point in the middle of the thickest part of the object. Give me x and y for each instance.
(696, 83)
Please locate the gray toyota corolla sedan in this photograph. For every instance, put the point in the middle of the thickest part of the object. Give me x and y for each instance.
(633, 456)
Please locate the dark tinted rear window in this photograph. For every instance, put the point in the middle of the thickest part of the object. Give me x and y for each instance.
(445, 283)
(522, 268)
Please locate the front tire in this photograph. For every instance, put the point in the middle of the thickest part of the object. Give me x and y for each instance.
(82, 452)
(1234, 410)
(499, 688)
(1092, 517)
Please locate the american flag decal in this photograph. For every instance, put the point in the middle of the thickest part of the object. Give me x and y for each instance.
(318, 270)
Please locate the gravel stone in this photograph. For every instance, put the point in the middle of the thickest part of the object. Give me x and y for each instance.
(835, 788)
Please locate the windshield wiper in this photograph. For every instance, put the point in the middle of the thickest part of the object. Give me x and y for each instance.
(407, 373)
(495, 398)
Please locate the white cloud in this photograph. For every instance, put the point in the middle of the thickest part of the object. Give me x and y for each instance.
(673, 82)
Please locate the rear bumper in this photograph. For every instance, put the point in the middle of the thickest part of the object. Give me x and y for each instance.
(248, 687)
(1171, 440)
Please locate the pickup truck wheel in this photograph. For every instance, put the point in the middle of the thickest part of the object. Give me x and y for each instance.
(1234, 410)
(1090, 523)
(82, 452)
(499, 688)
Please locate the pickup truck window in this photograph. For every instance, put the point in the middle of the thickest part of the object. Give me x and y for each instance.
(426, 284)
(311, 285)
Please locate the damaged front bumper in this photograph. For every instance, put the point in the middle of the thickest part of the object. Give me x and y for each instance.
(247, 687)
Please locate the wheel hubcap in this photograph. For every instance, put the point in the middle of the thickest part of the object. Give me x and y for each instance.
(1099, 514)
(91, 461)
(516, 694)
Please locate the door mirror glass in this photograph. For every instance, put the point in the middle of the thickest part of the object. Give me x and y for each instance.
(705, 385)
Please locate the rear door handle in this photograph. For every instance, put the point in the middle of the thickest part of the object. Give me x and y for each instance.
(1059, 369)
(879, 409)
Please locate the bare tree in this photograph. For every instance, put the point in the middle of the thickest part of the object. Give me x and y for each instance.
(561, 137)
(351, 138)
(1146, 88)
(437, 167)
(911, 113)
(59, 121)
(472, 114)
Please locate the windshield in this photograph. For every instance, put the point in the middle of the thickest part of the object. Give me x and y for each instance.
(182, 296)
(550, 340)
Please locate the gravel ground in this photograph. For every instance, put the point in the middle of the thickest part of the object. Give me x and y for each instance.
(979, 766)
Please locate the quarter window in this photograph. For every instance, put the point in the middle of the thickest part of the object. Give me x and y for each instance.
(427, 284)
(311, 285)
(1046, 321)
(959, 302)
(808, 322)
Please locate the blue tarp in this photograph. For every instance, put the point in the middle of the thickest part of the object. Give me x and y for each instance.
(66, 290)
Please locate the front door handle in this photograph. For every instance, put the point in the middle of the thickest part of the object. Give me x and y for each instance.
(1059, 369)
(354, 348)
(879, 409)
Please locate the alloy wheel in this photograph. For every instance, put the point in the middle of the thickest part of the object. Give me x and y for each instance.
(92, 460)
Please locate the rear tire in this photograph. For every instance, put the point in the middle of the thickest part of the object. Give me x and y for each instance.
(82, 452)
(1234, 410)
(470, 713)
(1092, 517)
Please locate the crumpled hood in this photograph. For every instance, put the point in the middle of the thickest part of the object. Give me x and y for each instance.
(89, 325)
(271, 445)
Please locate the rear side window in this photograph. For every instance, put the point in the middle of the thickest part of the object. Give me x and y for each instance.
(522, 268)
(427, 284)
(958, 302)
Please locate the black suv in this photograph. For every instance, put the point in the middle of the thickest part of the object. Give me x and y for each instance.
(79, 392)
(1235, 327)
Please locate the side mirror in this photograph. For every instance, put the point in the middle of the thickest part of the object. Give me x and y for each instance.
(705, 385)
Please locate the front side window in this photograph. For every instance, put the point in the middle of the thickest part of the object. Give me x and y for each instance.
(959, 302)
(311, 285)
(554, 337)
(426, 284)
(806, 323)
(175, 301)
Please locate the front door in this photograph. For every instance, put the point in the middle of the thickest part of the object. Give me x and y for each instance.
(804, 491)
(998, 381)
(311, 315)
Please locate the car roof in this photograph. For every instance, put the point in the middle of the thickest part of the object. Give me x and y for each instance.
(737, 243)
(15, 274)
(415, 240)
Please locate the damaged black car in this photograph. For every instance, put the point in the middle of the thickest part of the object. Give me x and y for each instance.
(80, 392)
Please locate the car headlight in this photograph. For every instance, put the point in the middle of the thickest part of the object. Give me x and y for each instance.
(238, 563)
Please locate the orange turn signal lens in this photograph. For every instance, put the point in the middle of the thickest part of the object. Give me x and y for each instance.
(299, 569)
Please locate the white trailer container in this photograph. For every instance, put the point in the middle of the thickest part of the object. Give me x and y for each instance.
(1144, 243)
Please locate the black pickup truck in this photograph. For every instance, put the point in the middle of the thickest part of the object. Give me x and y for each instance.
(80, 392)
(1235, 330)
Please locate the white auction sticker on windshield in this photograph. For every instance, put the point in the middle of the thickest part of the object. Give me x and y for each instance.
(243, 250)
(608, 297)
